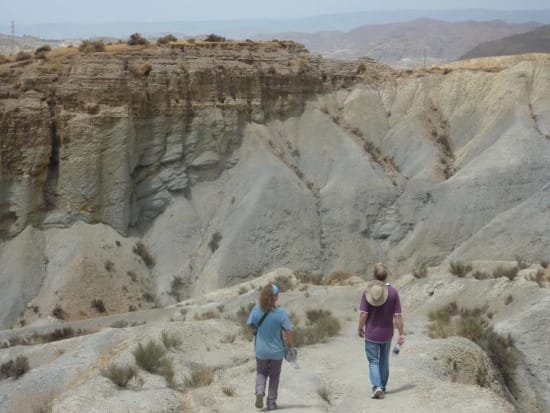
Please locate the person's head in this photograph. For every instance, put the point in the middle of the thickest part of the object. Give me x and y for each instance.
(268, 297)
(380, 272)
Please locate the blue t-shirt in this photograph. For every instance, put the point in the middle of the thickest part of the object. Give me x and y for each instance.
(269, 343)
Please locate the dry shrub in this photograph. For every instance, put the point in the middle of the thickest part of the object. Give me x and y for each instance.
(143, 252)
(421, 272)
(136, 39)
(150, 356)
(23, 56)
(284, 283)
(321, 324)
(208, 315)
(14, 368)
(338, 278)
(228, 390)
(120, 375)
(3, 59)
(201, 375)
(214, 38)
(505, 271)
(215, 241)
(139, 70)
(459, 269)
(164, 40)
(92, 46)
(543, 263)
(58, 312)
(170, 340)
(480, 275)
(307, 277)
(242, 316)
(325, 392)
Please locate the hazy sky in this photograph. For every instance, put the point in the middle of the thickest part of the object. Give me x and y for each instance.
(99, 11)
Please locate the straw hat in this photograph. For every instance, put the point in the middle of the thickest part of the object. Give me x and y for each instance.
(377, 293)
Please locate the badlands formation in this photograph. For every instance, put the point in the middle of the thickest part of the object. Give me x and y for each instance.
(161, 184)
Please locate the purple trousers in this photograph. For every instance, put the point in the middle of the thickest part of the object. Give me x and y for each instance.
(271, 369)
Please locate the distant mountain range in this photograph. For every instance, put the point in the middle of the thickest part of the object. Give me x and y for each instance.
(240, 29)
(407, 44)
(536, 41)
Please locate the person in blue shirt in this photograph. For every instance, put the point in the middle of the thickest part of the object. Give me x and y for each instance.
(270, 323)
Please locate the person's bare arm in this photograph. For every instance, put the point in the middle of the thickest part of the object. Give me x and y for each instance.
(362, 322)
(289, 338)
(398, 318)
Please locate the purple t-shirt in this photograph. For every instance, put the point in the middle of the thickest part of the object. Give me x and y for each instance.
(379, 326)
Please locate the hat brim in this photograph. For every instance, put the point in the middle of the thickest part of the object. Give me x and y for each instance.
(376, 302)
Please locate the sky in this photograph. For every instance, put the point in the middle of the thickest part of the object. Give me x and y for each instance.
(103, 11)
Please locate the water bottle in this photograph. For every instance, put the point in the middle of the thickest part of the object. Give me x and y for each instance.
(397, 349)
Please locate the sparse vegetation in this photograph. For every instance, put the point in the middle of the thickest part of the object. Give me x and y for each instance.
(170, 340)
(338, 278)
(201, 375)
(14, 368)
(143, 252)
(228, 390)
(521, 262)
(109, 265)
(421, 271)
(175, 285)
(120, 375)
(214, 38)
(208, 315)
(325, 392)
(149, 356)
(283, 282)
(23, 56)
(321, 324)
(136, 39)
(242, 316)
(215, 241)
(480, 275)
(308, 277)
(91, 46)
(242, 290)
(98, 304)
(505, 271)
(58, 312)
(120, 324)
(459, 269)
(473, 325)
(166, 39)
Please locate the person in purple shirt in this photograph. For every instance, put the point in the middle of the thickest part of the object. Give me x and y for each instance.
(379, 308)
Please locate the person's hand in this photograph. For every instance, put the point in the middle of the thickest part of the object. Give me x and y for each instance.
(361, 332)
(401, 339)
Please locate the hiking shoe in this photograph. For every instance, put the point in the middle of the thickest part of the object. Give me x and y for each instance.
(259, 401)
(378, 393)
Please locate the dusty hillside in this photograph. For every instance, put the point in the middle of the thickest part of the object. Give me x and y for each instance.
(536, 41)
(149, 175)
(431, 374)
(407, 44)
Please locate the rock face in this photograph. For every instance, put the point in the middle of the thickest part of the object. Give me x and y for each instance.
(228, 160)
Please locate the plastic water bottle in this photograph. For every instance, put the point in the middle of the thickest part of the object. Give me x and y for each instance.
(397, 349)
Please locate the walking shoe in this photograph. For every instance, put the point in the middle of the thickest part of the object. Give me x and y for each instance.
(272, 406)
(378, 393)
(259, 401)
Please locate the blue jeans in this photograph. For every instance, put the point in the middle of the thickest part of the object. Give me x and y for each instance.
(378, 355)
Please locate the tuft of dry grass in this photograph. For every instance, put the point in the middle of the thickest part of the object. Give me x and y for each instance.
(149, 356)
(170, 340)
(120, 375)
(338, 278)
(228, 390)
(325, 392)
(201, 375)
(14, 368)
(459, 269)
(421, 271)
(321, 325)
(505, 271)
